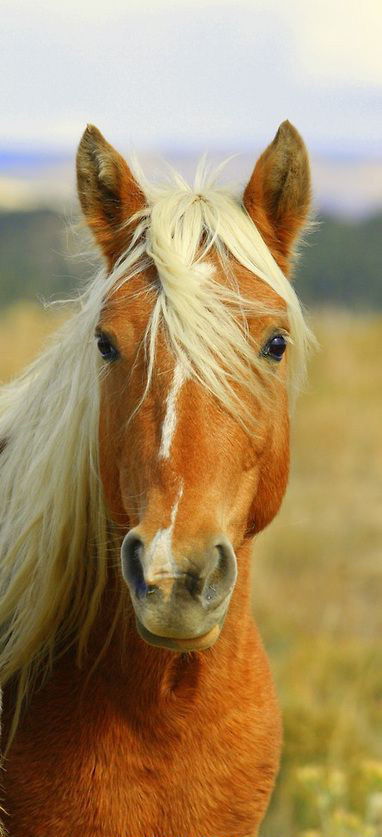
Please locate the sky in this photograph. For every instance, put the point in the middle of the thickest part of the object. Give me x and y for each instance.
(180, 75)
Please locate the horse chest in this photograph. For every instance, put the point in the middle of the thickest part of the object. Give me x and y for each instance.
(86, 769)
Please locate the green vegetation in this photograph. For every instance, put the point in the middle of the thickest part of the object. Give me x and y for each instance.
(39, 256)
(324, 795)
(340, 263)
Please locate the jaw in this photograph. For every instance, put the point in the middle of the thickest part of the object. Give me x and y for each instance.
(180, 644)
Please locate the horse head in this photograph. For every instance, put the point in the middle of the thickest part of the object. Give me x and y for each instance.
(196, 326)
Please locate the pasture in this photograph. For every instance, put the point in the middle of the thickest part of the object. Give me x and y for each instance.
(317, 576)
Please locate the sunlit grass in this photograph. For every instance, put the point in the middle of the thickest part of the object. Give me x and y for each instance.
(317, 580)
(325, 797)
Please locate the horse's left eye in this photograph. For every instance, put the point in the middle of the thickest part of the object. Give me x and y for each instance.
(106, 348)
(275, 347)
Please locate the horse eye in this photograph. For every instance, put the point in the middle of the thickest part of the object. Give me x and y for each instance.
(106, 348)
(275, 347)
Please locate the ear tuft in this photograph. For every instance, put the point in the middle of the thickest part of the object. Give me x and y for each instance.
(108, 193)
(278, 195)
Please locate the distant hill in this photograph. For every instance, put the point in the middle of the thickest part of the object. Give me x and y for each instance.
(340, 263)
(37, 256)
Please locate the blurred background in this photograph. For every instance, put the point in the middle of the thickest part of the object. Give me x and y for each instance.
(174, 80)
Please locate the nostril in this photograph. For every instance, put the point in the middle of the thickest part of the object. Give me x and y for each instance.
(132, 552)
(212, 587)
(223, 558)
(220, 581)
(193, 583)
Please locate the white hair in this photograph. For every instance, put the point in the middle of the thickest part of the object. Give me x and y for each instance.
(55, 535)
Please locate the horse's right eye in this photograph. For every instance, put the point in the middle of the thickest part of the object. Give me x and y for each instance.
(106, 348)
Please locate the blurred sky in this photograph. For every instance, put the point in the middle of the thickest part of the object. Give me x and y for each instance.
(184, 75)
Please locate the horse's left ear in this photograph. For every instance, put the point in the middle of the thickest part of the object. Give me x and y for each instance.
(278, 195)
(108, 193)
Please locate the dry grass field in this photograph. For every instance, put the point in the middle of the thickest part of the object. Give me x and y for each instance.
(317, 580)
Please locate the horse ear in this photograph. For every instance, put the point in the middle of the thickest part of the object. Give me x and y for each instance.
(108, 193)
(278, 195)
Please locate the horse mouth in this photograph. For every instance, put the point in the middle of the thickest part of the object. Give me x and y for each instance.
(181, 644)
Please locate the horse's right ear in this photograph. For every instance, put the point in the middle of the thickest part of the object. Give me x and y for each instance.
(108, 193)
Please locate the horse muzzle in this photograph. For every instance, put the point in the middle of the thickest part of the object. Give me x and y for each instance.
(180, 605)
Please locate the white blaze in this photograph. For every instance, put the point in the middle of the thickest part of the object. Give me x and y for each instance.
(170, 419)
(159, 561)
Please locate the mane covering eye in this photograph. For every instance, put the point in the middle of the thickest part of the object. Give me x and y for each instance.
(275, 347)
(106, 348)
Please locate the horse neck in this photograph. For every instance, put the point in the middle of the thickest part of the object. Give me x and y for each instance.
(140, 674)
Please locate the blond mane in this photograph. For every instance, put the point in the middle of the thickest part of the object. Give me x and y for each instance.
(55, 536)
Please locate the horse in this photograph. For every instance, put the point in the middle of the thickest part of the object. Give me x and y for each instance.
(142, 452)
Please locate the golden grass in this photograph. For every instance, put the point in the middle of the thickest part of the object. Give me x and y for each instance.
(23, 330)
(317, 580)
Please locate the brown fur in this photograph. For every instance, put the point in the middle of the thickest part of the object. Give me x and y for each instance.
(150, 743)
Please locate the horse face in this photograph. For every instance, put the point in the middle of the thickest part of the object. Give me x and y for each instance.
(181, 474)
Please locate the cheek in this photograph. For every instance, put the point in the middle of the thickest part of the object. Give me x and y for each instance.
(241, 499)
(128, 452)
(273, 470)
(236, 480)
(111, 443)
(109, 461)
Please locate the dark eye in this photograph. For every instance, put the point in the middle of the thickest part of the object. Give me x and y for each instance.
(106, 348)
(275, 347)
